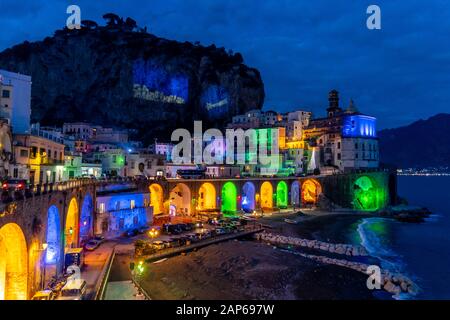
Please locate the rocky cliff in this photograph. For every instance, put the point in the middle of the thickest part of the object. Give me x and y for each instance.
(120, 75)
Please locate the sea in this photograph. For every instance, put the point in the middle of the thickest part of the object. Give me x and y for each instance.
(420, 251)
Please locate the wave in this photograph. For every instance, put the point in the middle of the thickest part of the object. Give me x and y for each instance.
(370, 231)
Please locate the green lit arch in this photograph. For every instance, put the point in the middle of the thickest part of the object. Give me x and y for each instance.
(367, 195)
(229, 198)
(282, 194)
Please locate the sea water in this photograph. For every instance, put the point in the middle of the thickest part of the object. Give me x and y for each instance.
(420, 251)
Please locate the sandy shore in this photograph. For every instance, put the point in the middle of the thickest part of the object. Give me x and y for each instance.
(252, 270)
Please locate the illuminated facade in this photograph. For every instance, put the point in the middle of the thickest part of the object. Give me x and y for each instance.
(43, 157)
(13, 263)
(343, 141)
(118, 213)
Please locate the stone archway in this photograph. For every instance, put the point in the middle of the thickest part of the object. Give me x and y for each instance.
(282, 195)
(13, 263)
(157, 199)
(266, 195)
(295, 193)
(248, 197)
(207, 197)
(86, 218)
(367, 196)
(71, 228)
(180, 199)
(311, 189)
(53, 236)
(229, 198)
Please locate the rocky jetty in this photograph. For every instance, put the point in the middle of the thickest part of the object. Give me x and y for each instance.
(392, 283)
(336, 248)
(407, 213)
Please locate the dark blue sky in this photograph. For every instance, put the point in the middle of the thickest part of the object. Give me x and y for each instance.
(303, 48)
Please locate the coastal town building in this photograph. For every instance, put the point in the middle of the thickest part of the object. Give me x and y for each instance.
(15, 101)
(118, 213)
(43, 157)
(345, 140)
(144, 164)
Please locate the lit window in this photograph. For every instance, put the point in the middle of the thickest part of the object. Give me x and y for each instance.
(101, 208)
(132, 204)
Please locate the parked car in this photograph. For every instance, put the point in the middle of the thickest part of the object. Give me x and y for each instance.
(92, 244)
(220, 231)
(99, 238)
(158, 245)
(44, 295)
(14, 184)
(131, 233)
(143, 230)
(75, 289)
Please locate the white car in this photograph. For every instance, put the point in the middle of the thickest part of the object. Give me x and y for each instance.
(75, 289)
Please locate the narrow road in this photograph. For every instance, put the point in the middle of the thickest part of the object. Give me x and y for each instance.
(94, 263)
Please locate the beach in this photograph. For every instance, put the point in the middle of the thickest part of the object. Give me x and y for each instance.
(248, 269)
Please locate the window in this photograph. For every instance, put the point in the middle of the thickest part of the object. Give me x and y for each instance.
(114, 159)
(24, 153)
(5, 94)
(101, 208)
(339, 156)
(339, 145)
(356, 145)
(132, 204)
(16, 172)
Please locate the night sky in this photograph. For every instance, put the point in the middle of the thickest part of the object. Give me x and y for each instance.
(302, 48)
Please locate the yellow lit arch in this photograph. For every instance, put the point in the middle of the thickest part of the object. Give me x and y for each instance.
(13, 263)
(157, 199)
(207, 197)
(266, 195)
(71, 226)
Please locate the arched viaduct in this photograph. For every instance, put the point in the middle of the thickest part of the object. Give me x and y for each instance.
(36, 228)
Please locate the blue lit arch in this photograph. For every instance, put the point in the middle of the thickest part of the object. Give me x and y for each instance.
(53, 237)
(86, 218)
(248, 197)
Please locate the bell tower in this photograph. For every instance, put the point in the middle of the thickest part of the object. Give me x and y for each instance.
(333, 108)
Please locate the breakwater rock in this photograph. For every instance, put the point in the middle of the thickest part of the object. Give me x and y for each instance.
(343, 249)
(405, 213)
(393, 283)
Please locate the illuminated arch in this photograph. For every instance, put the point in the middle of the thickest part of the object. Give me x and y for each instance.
(311, 189)
(157, 199)
(367, 196)
(71, 227)
(86, 218)
(180, 199)
(229, 197)
(53, 237)
(207, 197)
(266, 195)
(248, 197)
(282, 194)
(13, 263)
(295, 193)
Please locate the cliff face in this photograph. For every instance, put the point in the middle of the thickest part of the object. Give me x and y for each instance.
(118, 75)
(424, 143)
